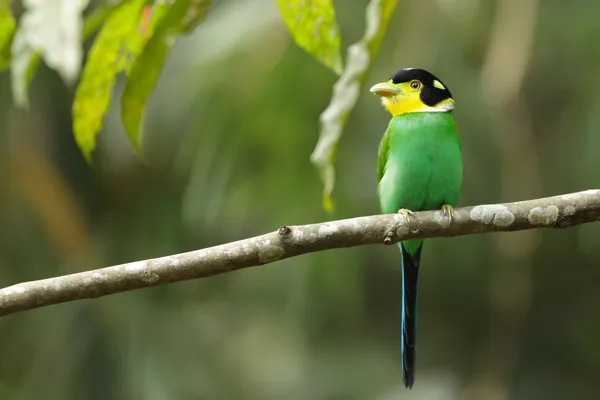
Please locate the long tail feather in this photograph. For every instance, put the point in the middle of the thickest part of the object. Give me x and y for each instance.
(410, 276)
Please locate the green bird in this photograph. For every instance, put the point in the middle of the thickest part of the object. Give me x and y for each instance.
(419, 168)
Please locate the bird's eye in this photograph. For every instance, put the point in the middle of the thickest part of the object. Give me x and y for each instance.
(415, 85)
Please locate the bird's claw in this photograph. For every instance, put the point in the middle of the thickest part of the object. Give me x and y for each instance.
(406, 213)
(448, 211)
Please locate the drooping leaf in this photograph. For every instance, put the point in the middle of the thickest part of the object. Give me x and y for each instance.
(313, 26)
(7, 32)
(117, 42)
(53, 28)
(143, 74)
(174, 19)
(196, 11)
(24, 61)
(96, 18)
(346, 92)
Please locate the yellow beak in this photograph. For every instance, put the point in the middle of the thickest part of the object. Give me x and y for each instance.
(385, 89)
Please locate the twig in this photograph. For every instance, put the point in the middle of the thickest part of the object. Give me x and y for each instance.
(289, 241)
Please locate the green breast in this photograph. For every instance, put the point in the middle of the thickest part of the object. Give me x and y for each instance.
(420, 162)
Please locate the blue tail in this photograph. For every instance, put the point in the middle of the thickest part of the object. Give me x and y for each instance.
(410, 276)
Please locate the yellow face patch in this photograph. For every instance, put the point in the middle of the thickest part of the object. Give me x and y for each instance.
(408, 100)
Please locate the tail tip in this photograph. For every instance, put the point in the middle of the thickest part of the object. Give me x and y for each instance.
(409, 379)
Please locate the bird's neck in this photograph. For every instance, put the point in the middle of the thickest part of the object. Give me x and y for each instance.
(414, 105)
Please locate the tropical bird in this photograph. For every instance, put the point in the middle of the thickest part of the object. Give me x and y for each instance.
(419, 168)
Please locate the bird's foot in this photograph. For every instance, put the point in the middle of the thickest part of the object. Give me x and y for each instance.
(405, 225)
(448, 212)
(406, 213)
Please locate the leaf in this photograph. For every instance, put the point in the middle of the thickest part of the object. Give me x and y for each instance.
(142, 77)
(195, 14)
(7, 32)
(118, 40)
(96, 18)
(53, 28)
(313, 26)
(174, 19)
(346, 92)
(24, 61)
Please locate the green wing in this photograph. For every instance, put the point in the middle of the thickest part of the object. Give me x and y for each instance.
(382, 154)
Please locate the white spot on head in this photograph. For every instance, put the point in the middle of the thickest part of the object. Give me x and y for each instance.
(438, 84)
(543, 216)
(270, 253)
(327, 229)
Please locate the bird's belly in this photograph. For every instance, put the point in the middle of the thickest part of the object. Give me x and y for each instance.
(421, 180)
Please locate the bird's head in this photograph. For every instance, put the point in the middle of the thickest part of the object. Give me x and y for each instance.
(414, 90)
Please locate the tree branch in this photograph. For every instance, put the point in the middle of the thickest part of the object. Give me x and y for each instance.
(289, 241)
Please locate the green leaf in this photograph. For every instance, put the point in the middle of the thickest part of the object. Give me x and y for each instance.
(117, 41)
(196, 11)
(313, 26)
(346, 92)
(171, 20)
(96, 18)
(142, 77)
(7, 32)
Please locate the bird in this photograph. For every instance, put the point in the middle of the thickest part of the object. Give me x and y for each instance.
(419, 168)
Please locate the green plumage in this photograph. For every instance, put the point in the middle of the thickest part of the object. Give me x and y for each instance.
(419, 168)
(419, 164)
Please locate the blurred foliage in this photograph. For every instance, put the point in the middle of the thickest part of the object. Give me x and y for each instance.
(346, 92)
(228, 132)
(7, 31)
(168, 22)
(314, 28)
(119, 41)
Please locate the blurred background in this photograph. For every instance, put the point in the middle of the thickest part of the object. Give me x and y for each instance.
(228, 137)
